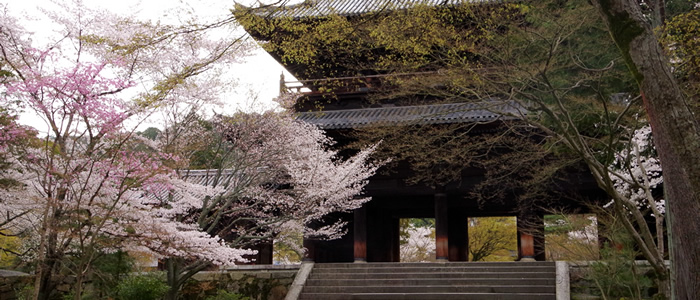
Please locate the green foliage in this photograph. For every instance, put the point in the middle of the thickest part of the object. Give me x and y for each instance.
(617, 276)
(676, 7)
(624, 29)
(24, 292)
(141, 287)
(151, 133)
(429, 222)
(571, 237)
(286, 246)
(225, 295)
(108, 272)
(9, 244)
(384, 41)
(680, 37)
(492, 239)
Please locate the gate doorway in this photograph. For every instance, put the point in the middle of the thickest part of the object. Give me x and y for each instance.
(417, 240)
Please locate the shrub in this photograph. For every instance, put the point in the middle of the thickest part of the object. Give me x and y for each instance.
(225, 295)
(141, 287)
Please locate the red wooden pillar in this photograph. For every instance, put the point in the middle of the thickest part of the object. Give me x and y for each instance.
(441, 227)
(526, 246)
(360, 234)
(531, 238)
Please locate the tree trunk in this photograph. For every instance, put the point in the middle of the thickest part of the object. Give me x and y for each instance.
(172, 266)
(676, 135)
(178, 273)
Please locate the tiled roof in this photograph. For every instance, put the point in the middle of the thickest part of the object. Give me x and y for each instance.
(208, 177)
(408, 115)
(315, 8)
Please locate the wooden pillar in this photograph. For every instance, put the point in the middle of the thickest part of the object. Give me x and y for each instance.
(538, 239)
(310, 245)
(441, 227)
(264, 256)
(526, 246)
(458, 237)
(531, 238)
(360, 234)
(396, 240)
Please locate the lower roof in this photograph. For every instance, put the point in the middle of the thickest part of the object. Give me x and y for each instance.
(484, 111)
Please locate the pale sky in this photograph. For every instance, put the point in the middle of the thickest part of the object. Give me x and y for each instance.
(259, 73)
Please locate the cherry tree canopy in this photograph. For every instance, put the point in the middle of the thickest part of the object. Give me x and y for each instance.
(93, 185)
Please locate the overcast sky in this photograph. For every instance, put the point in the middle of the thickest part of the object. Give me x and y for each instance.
(259, 73)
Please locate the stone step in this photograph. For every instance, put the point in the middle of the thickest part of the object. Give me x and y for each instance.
(416, 281)
(440, 269)
(432, 281)
(432, 275)
(428, 296)
(432, 289)
(427, 264)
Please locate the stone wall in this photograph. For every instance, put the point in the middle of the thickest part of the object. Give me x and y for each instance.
(11, 282)
(261, 282)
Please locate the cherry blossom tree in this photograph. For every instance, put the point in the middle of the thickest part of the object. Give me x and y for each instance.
(87, 187)
(635, 174)
(92, 186)
(274, 174)
(417, 242)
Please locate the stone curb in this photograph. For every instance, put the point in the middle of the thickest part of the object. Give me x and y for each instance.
(563, 285)
(299, 281)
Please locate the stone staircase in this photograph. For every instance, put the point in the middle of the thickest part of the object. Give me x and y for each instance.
(432, 281)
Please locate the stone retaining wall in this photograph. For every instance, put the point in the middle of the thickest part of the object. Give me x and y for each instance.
(263, 282)
(11, 282)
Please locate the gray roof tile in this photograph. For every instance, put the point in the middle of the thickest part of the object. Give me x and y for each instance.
(485, 111)
(316, 8)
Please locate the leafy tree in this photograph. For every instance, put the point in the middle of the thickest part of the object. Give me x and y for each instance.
(572, 237)
(676, 131)
(150, 133)
(492, 239)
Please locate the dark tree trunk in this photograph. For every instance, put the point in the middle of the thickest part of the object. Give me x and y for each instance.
(676, 136)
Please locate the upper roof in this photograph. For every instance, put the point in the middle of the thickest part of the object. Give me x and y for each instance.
(485, 111)
(316, 8)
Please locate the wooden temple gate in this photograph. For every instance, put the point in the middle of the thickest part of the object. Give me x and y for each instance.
(374, 228)
(341, 99)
